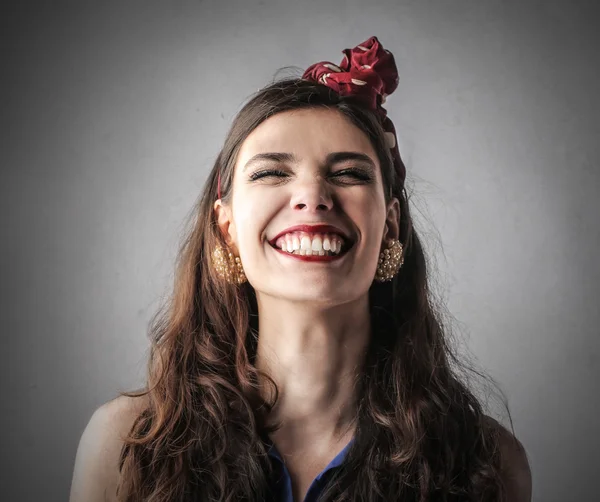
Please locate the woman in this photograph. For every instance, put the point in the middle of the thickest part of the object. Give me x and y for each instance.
(301, 357)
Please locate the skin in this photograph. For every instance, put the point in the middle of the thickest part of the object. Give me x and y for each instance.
(313, 317)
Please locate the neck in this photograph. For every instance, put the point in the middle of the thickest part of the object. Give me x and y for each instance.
(314, 357)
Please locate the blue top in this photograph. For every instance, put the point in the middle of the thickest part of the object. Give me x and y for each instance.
(283, 482)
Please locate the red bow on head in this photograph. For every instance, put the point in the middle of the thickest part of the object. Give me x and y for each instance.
(368, 72)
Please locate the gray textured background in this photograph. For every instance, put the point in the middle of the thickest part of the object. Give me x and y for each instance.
(112, 115)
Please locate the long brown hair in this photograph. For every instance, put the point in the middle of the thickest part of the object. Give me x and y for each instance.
(421, 434)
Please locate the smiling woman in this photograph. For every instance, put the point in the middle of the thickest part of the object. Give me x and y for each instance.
(301, 357)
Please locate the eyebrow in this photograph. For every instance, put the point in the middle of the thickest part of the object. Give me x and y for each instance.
(331, 159)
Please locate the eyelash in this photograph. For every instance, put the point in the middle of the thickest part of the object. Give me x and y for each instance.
(357, 173)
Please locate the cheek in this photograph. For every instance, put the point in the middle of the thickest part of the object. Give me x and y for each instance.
(368, 213)
(251, 218)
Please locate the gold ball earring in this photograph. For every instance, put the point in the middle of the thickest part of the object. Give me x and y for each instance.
(390, 261)
(227, 266)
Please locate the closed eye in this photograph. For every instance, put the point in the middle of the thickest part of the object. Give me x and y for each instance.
(355, 173)
(266, 173)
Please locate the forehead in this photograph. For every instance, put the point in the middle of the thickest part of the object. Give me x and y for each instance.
(309, 134)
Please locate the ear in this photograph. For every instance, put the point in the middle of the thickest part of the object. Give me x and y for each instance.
(225, 223)
(392, 221)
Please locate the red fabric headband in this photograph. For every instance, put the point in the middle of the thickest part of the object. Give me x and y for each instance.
(368, 72)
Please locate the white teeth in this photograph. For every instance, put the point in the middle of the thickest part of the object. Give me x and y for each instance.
(290, 244)
(317, 244)
(303, 244)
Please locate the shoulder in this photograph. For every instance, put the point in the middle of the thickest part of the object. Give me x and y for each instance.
(515, 466)
(96, 471)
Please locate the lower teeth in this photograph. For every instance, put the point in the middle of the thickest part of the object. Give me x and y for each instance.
(327, 253)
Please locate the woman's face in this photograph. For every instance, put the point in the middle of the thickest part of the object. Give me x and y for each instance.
(309, 190)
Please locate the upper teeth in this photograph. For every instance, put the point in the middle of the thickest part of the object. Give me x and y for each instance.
(304, 243)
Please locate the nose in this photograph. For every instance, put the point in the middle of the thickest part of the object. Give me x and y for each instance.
(312, 196)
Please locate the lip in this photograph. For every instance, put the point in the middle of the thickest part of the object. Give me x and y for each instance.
(313, 229)
(315, 258)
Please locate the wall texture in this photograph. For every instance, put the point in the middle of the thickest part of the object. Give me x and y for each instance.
(112, 115)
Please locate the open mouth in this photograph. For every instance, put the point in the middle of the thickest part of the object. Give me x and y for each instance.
(313, 255)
